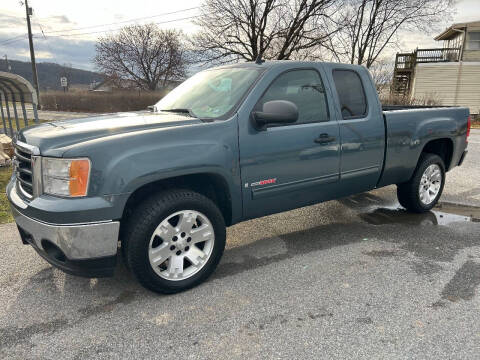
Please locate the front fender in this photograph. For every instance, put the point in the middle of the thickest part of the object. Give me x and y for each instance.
(138, 167)
(123, 163)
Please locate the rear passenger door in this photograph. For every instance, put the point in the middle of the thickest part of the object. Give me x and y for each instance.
(362, 132)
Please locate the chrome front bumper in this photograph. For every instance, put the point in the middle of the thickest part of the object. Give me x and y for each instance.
(76, 241)
(87, 250)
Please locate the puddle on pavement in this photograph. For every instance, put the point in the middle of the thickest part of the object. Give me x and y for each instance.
(442, 214)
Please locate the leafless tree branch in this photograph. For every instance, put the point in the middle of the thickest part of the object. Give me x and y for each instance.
(144, 54)
(373, 26)
(233, 30)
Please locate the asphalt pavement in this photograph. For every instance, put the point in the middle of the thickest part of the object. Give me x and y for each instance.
(355, 278)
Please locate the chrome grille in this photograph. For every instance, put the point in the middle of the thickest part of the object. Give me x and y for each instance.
(23, 169)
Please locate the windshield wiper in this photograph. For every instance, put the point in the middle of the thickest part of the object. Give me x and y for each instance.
(182, 111)
(187, 111)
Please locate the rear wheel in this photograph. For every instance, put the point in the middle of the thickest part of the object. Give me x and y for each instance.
(174, 241)
(422, 192)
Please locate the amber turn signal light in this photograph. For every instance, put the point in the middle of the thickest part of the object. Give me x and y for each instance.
(79, 175)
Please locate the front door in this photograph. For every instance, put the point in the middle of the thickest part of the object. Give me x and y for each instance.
(294, 165)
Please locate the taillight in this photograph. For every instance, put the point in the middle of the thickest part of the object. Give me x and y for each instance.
(469, 125)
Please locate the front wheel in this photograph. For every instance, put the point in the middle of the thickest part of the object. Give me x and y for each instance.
(174, 241)
(422, 191)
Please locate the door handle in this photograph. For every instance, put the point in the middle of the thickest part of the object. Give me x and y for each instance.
(324, 139)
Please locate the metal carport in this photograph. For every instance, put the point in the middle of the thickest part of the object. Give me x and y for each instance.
(15, 90)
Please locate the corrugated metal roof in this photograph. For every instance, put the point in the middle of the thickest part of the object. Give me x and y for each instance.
(18, 86)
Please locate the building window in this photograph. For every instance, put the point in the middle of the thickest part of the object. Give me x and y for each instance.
(473, 42)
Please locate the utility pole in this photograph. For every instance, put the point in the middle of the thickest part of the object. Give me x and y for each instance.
(9, 68)
(32, 51)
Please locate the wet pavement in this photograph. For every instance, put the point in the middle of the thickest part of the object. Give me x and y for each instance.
(353, 278)
(443, 214)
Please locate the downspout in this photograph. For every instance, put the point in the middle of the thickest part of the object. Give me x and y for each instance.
(460, 57)
(411, 85)
(460, 60)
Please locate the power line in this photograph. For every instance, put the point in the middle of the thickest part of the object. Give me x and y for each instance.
(125, 21)
(49, 48)
(108, 30)
(17, 38)
(44, 37)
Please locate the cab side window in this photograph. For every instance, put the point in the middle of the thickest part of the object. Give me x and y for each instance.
(350, 92)
(305, 89)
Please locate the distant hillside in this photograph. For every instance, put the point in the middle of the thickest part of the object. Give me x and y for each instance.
(49, 74)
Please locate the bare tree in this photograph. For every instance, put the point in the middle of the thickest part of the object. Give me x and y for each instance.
(374, 25)
(382, 72)
(144, 54)
(232, 30)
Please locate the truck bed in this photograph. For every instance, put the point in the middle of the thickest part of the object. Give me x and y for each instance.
(409, 107)
(410, 128)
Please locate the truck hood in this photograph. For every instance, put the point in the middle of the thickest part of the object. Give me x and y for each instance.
(58, 134)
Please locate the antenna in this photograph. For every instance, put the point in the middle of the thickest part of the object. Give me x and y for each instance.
(259, 60)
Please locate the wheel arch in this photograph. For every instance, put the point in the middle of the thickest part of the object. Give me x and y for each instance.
(211, 185)
(442, 147)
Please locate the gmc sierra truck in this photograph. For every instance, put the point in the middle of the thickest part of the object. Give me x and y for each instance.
(229, 144)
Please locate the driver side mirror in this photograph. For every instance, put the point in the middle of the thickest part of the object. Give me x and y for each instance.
(275, 112)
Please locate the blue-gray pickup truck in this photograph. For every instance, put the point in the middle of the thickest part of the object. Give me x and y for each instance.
(229, 144)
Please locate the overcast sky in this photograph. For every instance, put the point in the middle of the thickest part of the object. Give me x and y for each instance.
(55, 17)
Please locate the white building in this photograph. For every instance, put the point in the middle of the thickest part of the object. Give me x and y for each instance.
(449, 75)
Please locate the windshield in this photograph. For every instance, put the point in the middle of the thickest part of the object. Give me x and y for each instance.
(210, 93)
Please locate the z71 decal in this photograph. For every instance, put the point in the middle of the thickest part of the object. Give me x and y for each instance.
(262, 182)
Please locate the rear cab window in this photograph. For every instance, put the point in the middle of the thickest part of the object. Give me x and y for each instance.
(351, 94)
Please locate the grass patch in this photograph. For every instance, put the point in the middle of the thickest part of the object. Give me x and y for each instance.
(5, 214)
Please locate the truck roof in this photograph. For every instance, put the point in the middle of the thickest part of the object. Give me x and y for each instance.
(283, 63)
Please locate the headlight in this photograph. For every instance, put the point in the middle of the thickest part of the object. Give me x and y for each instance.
(65, 177)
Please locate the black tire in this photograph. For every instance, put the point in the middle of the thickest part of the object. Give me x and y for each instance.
(142, 224)
(408, 193)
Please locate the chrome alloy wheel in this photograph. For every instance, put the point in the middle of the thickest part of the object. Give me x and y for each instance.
(181, 245)
(430, 184)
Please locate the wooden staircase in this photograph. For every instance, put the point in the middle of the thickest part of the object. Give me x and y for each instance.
(405, 63)
(403, 74)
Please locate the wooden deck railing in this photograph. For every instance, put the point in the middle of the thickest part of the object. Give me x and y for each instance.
(437, 55)
(405, 64)
(407, 61)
